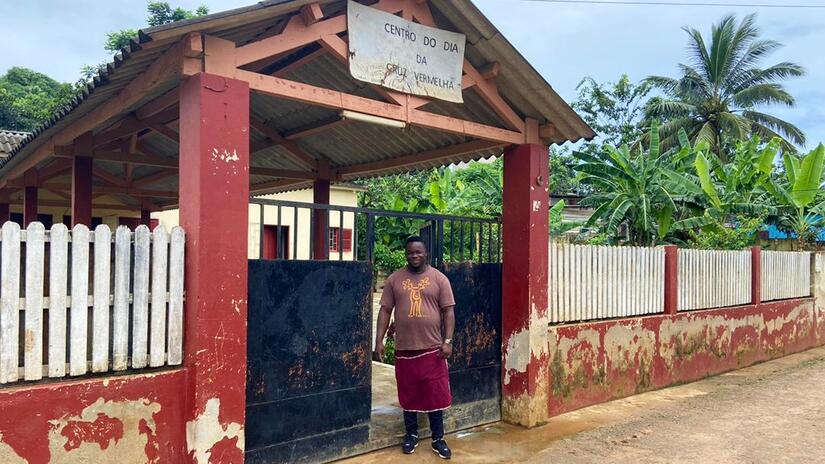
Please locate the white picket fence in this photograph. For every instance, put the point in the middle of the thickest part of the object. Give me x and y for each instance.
(600, 282)
(713, 279)
(132, 316)
(785, 274)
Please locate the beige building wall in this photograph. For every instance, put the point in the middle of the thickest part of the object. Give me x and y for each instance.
(339, 196)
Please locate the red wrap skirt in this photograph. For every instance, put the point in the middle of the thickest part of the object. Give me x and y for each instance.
(423, 380)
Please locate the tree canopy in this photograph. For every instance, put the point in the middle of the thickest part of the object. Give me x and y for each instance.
(28, 98)
(718, 96)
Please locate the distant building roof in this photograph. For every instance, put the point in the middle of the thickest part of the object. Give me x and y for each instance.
(9, 140)
(775, 234)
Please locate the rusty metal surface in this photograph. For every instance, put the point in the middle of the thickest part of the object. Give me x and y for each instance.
(308, 362)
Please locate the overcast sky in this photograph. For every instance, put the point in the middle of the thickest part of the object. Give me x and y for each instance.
(565, 42)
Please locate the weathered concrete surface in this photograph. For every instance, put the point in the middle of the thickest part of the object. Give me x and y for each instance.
(598, 361)
(119, 420)
(713, 420)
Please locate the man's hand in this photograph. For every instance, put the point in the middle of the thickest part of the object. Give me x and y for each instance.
(446, 350)
(379, 350)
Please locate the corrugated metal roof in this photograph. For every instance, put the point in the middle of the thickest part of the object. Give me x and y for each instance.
(9, 140)
(346, 145)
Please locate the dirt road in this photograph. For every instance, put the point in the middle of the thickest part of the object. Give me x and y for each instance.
(769, 413)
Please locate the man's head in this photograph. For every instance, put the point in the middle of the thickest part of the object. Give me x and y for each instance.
(416, 251)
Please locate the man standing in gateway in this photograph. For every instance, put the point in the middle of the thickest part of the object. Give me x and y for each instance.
(424, 324)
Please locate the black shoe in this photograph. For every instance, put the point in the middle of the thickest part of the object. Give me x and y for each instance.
(441, 449)
(410, 444)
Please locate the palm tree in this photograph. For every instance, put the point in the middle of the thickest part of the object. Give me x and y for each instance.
(717, 97)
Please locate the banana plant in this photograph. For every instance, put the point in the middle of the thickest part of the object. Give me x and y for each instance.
(797, 195)
(632, 188)
(739, 187)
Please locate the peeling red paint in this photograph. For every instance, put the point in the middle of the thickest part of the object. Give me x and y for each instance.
(32, 413)
(225, 451)
(102, 431)
(524, 283)
(152, 448)
(656, 351)
(214, 194)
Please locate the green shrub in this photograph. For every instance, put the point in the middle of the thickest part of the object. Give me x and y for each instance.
(389, 351)
(388, 260)
(742, 234)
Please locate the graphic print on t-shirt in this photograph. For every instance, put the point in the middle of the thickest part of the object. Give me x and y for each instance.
(415, 295)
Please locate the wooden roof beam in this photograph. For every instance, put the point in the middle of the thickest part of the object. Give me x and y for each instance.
(319, 96)
(312, 13)
(113, 190)
(298, 33)
(144, 159)
(315, 128)
(298, 154)
(419, 158)
(109, 178)
(339, 48)
(60, 204)
(163, 70)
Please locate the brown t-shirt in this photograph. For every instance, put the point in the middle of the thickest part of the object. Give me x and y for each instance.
(418, 300)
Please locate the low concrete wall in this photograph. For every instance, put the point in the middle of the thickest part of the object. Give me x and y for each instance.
(135, 418)
(594, 362)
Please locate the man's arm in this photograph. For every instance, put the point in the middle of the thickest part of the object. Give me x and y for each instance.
(448, 323)
(381, 330)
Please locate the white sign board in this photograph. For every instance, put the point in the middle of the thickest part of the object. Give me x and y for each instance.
(392, 52)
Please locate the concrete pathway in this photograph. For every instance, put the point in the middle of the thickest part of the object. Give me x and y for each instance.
(769, 413)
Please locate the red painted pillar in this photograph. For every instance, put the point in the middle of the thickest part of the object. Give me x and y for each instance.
(320, 195)
(29, 205)
(30, 183)
(525, 320)
(5, 214)
(214, 198)
(82, 181)
(756, 275)
(145, 217)
(671, 279)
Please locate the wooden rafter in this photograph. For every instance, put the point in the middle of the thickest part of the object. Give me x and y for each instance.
(316, 128)
(165, 131)
(109, 178)
(147, 159)
(113, 190)
(298, 154)
(338, 48)
(416, 159)
(273, 186)
(156, 177)
(162, 71)
(131, 124)
(67, 203)
(320, 96)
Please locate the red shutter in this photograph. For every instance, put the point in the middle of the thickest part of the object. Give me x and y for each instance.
(347, 240)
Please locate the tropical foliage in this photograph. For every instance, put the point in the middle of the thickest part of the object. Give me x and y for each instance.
(719, 93)
(631, 188)
(29, 98)
(798, 195)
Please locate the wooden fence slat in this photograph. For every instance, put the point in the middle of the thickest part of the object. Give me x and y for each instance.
(33, 329)
(157, 332)
(78, 332)
(100, 310)
(140, 305)
(120, 313)
(9, 302)
(58, 284)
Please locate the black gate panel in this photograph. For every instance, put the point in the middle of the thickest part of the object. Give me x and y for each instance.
(308, 373)
(475, 367)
